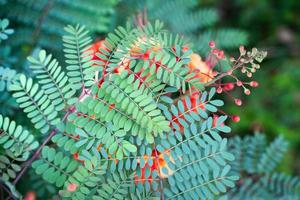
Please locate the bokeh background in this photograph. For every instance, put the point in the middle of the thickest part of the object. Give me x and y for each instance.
(272, 25)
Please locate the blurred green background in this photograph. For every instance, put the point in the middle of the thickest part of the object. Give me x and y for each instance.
(272, 25)
(273, 107)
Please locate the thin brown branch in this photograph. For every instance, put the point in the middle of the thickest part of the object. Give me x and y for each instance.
(50, 135)
(35, 155)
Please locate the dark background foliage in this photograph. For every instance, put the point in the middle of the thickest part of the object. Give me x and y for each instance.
(274, 106)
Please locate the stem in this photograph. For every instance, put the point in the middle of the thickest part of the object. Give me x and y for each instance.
(35, 155)
(236, 65)
(8, 191)
(52, 133)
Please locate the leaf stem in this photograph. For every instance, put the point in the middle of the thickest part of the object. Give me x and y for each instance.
(35, 155)
(51, 134)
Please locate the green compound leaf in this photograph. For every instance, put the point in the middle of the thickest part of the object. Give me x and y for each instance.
(53, 80)
(35, 102)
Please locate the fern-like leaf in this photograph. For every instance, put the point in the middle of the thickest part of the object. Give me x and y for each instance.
(16, 139)
(268, 161)
(54, 166)
(6, 78)
(35, 103)
(78, 56)
(4, 30)
(53, 80)
(139, 105)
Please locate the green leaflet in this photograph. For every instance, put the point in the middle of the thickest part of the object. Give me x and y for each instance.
(53, 80)
(109, 148)
(17, 144)
(118, 44)
(6, 78)
(78, 56)
(95, 15)
(54, 166)
(94, 132)
(4, 30)
(259, 160)
(16, 139)
(9, 168)
(183, 113)
(35, 103)
(201, 157)
(135, 102)
(254, 154)
(268, 161)
(116, 186)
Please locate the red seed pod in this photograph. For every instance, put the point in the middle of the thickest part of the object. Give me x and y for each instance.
(235, 118)
(221, 55)
(243, 70)
(242, 50)
(229, 86)
(247, 91)
(219, 90)
(253, 84)
(212, 44)
(215, 51)
(238, 102)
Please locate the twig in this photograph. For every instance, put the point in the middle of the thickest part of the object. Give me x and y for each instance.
(35, 155)
(8, 191)
(52, 133)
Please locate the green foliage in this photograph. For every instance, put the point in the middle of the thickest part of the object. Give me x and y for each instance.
(196, 23)
(52, 79)
(42, 188)
(223, 37)
(15, 139)
(133, 114)
(7, 75)
(78, 56)
(4, 30)
(6, 78)
(94, 132)
(200, 168)
(54, 166)
(42, 21)
(115, 187)
(116, 123)
(256, 163)
(133, 132)
(16, 145)
(135, 103)
(35, 102)
(176, 74)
